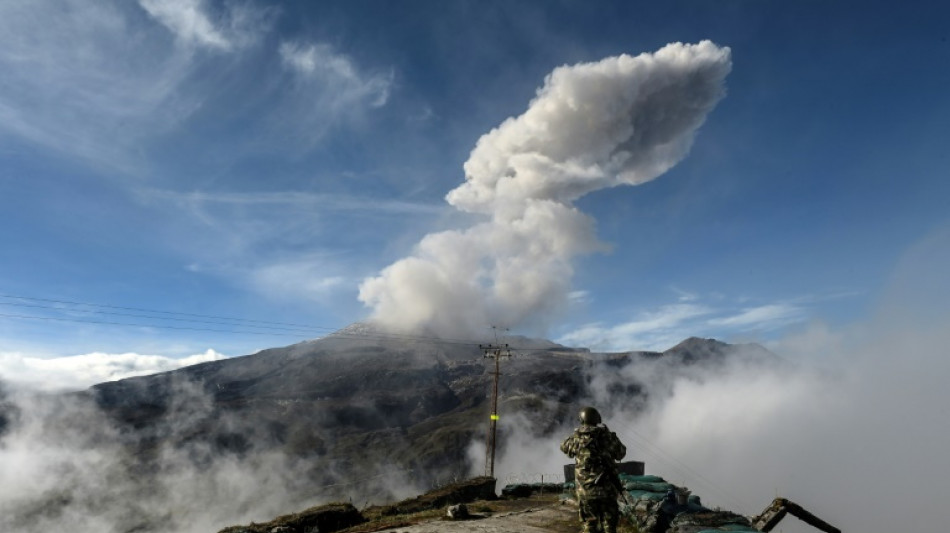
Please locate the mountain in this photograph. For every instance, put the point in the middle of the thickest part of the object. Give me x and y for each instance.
(359, 398)
(359, 415)
(351, 398)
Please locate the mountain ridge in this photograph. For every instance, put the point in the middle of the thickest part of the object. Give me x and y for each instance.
(419, 401)
(352, 416)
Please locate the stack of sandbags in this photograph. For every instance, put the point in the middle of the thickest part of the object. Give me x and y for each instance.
(648, 488)
(709, 522)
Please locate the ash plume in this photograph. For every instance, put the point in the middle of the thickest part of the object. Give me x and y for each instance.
(624, 120)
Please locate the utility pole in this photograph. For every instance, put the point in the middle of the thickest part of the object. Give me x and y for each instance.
(493, 351)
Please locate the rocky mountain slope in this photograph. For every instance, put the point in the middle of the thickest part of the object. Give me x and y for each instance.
(357, 401)
(357, 416)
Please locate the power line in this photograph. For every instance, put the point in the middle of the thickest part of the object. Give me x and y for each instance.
(155, 326)
(382, 336)
(246, 326)
(170, 318)
(155, 311)
(275, 328)
(658, 453)
(245, 322)
(282, 332)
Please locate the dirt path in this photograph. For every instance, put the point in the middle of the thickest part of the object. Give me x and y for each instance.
(545, 518)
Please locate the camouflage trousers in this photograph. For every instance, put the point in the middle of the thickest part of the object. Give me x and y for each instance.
(599, 515)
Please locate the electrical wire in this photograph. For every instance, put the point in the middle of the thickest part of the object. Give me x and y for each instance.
(247, 326)
(656, 452)
(170, 318)
(155, 326)
(106, 306)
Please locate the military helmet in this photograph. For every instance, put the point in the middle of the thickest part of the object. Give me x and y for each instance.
(589, 416)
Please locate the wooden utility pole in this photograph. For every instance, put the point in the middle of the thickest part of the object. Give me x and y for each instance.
(495, 352)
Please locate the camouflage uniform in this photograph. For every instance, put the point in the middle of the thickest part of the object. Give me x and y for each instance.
(596, 450)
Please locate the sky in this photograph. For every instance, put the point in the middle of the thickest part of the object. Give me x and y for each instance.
(185, 180)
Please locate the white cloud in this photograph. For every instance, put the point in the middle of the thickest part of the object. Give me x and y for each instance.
(669, 324)
(85, 78)
(652, 330)
(305, 277)
(101, 81)
(579, 296)
(341, 83)
(763, 317)
(856, 428)
(187, 20)
(828, 439)
(81, 371)
(265, 241)
(239, 24)
(860, 417)
(684, 296)
(65, 451)
(304, 201)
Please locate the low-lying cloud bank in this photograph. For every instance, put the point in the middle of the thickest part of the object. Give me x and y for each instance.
(78, 372)
(858, 438)
(65, 466)
(855, 427)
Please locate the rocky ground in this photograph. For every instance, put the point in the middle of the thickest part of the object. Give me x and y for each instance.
(537, 516)
(482, 512)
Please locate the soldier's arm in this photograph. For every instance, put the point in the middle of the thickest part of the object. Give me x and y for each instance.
(569, 446)
(617, 449)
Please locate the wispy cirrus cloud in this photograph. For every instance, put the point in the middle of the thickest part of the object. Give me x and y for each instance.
(282, 221)
(309, 277)
(669, 324)
(103, 81)
(87, 78)
(287, 245)
(323, 87)
(321, 64)
(124, 86)
(684, 296)
(237, 25)
(763, 317)
(231, 226)
(651, 330)
(295, 199)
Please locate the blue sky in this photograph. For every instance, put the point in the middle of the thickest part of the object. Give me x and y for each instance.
(258, 161)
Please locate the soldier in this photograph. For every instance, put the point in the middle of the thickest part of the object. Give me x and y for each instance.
(596, 451)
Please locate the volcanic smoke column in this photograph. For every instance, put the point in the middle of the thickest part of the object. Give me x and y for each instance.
(620, 121)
